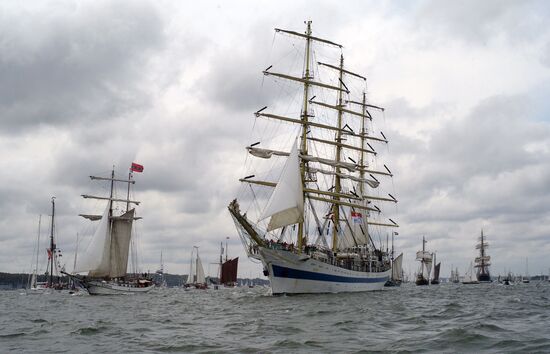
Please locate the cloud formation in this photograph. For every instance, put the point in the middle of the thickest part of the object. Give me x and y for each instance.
(88, 85)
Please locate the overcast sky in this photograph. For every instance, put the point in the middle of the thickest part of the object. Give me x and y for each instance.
(85, 85)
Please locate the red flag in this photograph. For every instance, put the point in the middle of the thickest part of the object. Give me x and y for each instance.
(49, 253)
(136, 167)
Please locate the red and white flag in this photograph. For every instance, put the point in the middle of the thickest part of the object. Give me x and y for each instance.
(136, 167)
(356, 217)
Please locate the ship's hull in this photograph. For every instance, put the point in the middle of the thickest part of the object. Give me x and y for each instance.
(484, 278)
(422, 281)
(291, 273)
(107, 288)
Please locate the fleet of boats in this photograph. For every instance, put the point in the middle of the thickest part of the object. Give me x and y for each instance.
(313, 228)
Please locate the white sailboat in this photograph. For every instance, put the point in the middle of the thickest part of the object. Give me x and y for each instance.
(327, 186)
(469, 276)
(196, 278)
(106, 259)
(34, 286)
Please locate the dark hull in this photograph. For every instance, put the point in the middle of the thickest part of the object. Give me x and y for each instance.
(422, 281)
(434, 282)
(486, 278)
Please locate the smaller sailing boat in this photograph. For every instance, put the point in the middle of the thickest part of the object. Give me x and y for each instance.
(396, 272)
(196, 278)
(469, 276)
(455, 278)
(106, 258)
(527, 278)
(160, 280)
(437, 267)
(34, 285)
(425, 258)
(228, 269)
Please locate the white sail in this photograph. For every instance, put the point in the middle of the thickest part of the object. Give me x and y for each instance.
(397, 267)
(120, 244)
(96, 258)
(200, 271)
(286, 204)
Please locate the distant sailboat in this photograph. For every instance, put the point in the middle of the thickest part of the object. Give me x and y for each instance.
(483, 261)
(469, 277)
(437, 267)
(396, 272)
(106, 258)
(425, 258)
(527, 278)
(33, 284)
(455, 278)
(196, 278)
(228, 268)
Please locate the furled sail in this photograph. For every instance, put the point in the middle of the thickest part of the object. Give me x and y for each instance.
(264, 153)
(120, 243)
(372, 183)
(96, 258)
(424, 255)
(347, 165)
(397, 269)
(286, 204)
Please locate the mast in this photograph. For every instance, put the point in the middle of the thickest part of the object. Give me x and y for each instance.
(304, 117)
(337, 182)
(52, 244)
(33, 279)
(128, 194)
(362, 162)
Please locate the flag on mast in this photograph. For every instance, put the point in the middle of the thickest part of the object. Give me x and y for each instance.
(136, 167)
(357, 217)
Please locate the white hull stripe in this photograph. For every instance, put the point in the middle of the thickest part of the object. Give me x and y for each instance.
(283, 272)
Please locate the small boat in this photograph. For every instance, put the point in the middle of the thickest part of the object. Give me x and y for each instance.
(437, 267)
(228, 269)
(455, 277)
(469, 277)
(396, 273)
(425, 258)
(527, 278)
(196, 278)
(106, 258)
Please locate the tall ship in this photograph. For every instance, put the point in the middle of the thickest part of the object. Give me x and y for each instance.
(425, 259)
(482, 262)
(314, 210)
(106, 258)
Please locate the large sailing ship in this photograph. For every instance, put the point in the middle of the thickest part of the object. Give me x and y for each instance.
(425, 258)
(328, 186)
(482, 262)
(106, 259)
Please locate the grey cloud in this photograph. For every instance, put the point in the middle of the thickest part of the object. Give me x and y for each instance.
(81, 62)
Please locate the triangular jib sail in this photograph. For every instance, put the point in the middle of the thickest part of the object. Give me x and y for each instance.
(286, 204)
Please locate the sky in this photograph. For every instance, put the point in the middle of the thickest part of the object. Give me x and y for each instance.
(172, 85)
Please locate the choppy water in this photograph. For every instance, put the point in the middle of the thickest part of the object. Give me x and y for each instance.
(446, 318)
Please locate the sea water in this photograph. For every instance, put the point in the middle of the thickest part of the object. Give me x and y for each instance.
(446, 318)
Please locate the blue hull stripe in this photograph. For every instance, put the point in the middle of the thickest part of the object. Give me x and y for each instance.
(283, 272)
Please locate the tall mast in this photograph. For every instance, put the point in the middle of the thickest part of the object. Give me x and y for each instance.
(362, 160)
(337, 183)
(305, 116)
(111, 193)
(52, 244)
(128, 194)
